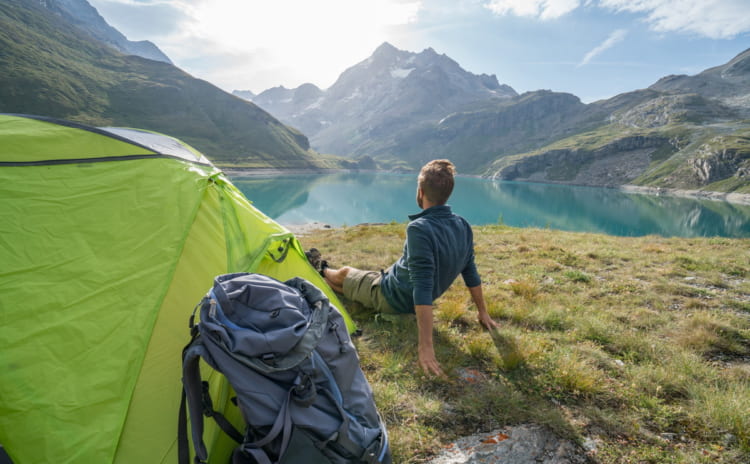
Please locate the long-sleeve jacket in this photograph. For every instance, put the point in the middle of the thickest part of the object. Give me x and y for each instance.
(439, 246)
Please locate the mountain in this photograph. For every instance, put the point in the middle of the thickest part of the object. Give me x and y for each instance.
(50, 67)
(682, 132)
(86, 18)
(402, 109)
(379, 99)
(244, 94)
(728, 83)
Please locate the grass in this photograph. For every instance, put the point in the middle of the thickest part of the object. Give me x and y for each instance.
(639, 344)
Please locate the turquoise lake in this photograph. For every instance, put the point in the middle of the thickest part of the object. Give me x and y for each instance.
(354, 198)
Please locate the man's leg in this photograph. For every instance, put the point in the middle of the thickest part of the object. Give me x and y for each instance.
(360, 286)
(335, 277)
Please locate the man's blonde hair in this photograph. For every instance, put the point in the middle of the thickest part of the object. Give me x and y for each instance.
(436, 180)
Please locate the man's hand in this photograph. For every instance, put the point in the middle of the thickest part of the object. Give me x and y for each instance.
(486, 321)
(429, 364)
(484, 318)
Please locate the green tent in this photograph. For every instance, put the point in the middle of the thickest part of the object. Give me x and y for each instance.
(109, 237)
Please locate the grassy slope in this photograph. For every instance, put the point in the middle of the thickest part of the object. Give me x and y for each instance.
(641, 344)
(48, 68)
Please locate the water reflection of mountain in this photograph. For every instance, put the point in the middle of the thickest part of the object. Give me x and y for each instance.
(689, 217)
(353, 198)
(340, 198)
(275, 195)
(602, 210)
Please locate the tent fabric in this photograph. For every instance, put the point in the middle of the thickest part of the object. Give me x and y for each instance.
(106, 246)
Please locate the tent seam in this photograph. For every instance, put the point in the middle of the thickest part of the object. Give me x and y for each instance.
(100, 159)
(160, 300)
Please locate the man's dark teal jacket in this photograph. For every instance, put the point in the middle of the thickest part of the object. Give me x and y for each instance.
(439, 246)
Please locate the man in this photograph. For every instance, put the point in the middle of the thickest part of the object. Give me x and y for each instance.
(439, 246)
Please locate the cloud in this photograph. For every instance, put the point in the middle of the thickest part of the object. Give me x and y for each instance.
(716, 19)
(317, 40)
(615, 37)
(542, 9)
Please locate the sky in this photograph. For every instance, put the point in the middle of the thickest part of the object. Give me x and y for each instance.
(593, 49)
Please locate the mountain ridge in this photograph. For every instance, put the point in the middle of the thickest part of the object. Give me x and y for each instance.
(84, 16)
(381, 93)
(52, 68)
(698, 126)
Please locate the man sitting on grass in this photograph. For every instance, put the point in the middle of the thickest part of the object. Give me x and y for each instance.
(439, 246)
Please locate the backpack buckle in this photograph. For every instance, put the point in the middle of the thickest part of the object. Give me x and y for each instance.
(208, 404)
(303, 391)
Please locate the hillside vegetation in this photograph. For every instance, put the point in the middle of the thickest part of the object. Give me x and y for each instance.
(637, 347)
(50, 68)
(678, 155)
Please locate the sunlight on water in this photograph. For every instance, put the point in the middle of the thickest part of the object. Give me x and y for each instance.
(354, 198)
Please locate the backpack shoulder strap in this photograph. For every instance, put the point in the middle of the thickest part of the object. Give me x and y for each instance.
(192, 390)
(195, 391)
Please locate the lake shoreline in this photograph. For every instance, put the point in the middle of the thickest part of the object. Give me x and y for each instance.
(729, 197)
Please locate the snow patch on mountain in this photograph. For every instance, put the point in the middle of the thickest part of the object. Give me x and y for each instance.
(400, 73)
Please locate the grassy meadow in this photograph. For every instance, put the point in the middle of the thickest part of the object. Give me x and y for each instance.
(640, 346)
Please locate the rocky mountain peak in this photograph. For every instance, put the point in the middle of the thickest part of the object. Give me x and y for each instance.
(385, 49)
(389, 91)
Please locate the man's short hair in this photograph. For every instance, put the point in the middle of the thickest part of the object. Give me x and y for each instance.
(436, 180)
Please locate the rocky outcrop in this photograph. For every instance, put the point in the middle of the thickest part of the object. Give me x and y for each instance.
(714, 165)
(616, 163)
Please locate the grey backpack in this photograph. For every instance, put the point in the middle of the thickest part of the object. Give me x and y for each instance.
(287, 354)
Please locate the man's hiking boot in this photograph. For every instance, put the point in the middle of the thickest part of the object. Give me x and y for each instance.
(314, 257)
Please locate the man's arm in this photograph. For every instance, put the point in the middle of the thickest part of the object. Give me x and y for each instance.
(426, 350)
(482, 314)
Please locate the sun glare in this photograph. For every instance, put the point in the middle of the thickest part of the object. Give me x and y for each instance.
(328, 35)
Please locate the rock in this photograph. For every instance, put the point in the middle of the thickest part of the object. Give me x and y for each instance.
(670, 437)
(730, 439)
(524, 444)
(713, 165)
(589, 444)
(471, 376)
